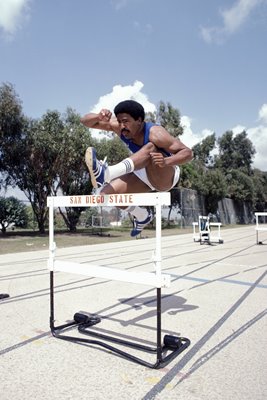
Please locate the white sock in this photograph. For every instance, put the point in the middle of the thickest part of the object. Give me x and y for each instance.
(139, 213)
(124, 167)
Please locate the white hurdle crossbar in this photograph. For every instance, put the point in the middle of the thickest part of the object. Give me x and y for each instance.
(155, 279)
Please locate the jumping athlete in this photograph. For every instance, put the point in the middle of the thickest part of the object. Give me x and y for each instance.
(153, 163)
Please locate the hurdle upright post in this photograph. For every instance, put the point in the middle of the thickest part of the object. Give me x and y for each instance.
(158, 260)
(52, 247)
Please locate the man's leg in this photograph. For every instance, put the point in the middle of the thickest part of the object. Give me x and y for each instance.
(101, 172)
(122, 180)
(131, 184)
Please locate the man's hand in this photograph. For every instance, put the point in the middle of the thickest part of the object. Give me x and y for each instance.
(105, 115)
(158, 159)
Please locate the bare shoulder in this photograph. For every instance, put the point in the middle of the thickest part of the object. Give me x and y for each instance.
(163, 139)
(160, 136)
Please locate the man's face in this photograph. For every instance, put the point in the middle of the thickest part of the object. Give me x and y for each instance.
(129, 127)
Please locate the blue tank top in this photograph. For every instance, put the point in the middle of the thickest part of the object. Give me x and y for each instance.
(135, 147)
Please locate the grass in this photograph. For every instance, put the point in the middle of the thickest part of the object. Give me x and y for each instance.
(23, 240)
(20, 241)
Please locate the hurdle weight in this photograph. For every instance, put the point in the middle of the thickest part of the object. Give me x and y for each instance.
(172, 341)
(81, 318)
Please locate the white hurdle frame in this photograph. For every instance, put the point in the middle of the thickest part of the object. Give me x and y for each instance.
(155, 279)
(172, 345)
(259, 226)
(206, 234)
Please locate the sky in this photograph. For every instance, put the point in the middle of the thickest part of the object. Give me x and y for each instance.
(207, 58)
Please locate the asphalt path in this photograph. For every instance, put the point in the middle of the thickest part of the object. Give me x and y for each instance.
(217, 299)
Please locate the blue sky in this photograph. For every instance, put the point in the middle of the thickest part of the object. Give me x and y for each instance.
(207, 58)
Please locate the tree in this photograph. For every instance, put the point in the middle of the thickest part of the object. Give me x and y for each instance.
(33, 162)
(169, 118)
(209, 182)
(240, 186)
(38, 156)
(188, 174)
(215, 189)
(12, 211)
(235, 152)
(259, 179)
(12, 122)
(151, 117)
(72, 173)
(204, 177)
(113, 149)
(202, 151)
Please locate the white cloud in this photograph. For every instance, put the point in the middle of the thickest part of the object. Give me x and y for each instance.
(146, 29)
(12, 14)
(258, 136)
(233, 19)
(189, 137)
(134, 92)
(238, 129)
(120, 93)
(263, 113)
(118, 4)
(236, 16)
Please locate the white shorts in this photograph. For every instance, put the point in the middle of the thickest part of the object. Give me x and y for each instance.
(142, 175)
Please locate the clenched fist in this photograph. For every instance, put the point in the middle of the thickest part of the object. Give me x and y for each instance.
(105, 115)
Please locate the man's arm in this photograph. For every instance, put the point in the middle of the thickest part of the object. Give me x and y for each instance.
(103, 121)
(181, 154)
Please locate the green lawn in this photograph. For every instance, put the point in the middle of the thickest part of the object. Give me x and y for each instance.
(18, 241)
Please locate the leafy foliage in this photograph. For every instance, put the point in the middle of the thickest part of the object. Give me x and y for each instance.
(72, 174)
(35, 169)
(12, 211)
(12, 123)
(260, 189)
(239, 185)
(169, 118)
(114, 149)
(235, 152)
(202, 151)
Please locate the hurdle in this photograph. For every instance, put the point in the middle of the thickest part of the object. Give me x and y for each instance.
(205, 232)
(172, 345)
(260, 226)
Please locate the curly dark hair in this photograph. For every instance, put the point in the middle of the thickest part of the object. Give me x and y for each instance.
(131, 107)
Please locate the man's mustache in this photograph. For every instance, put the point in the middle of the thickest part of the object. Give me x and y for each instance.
(124, 130)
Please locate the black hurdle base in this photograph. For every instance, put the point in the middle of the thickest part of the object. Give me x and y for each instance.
(4, 296)
(172, 345)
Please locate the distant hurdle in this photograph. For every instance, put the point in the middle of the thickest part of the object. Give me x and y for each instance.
(261, 224)
(172, 345)
(203, 232)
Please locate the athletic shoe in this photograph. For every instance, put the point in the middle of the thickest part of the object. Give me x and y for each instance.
(96, 168)
(139, 225)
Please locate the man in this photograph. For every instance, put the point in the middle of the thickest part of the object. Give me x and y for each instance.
(153, 164)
